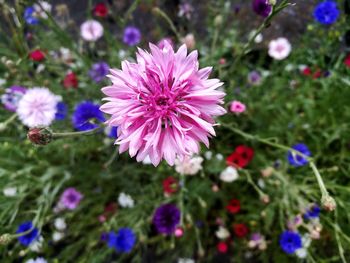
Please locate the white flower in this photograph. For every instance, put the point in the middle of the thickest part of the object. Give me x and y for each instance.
(301, 253)
(2, 82)
(10, 191)
(37, 260)
(57, 236)
(37, 245)
(261, 183)
(219, 156)
(222, 233)
(37, 107)
(229, 175)
(125, 200)
(60, 224)
(91, 30)
(208, 155)
(42, 8)
(189, 165)
(185, 260)
(279, 48)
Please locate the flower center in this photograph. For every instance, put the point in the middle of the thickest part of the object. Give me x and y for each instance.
(162, 100)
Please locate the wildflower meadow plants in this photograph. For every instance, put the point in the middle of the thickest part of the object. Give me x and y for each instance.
(174, 131)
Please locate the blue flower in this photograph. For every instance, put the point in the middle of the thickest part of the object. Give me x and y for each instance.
(28, 238)
(297, 159)
(99, 71)
(29, 16)
(61, 111)
(290, 241)
(122, 241)
(113, 132)
(132, 36)
(86, 115)
(326, 12)
(313, 212)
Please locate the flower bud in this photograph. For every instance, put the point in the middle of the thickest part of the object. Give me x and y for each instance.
(272, 2)
(328, 203)
(5, 239)
(40, 136)
(218, 20)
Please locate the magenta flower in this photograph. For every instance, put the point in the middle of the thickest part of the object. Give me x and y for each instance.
(237, 107)
(70, 198)
(163, 105)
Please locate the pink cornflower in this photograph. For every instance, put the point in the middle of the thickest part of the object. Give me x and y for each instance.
(37, 107)
(279, 48)
(237, 107)
(91, 30)
(70, 198)
(163, 105)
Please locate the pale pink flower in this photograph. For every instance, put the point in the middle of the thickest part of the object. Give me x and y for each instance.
(189, 165)
(279, 48)
(163, 105)
(237, 107)
(37, 107)
(91, 30)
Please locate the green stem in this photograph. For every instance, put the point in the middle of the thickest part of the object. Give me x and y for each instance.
(111, 159)
(181, 196)
(159, 12)
(71, 134)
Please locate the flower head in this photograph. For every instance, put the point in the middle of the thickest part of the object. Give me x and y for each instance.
(125, 200)
(163, 105)
(42, 8)
(234, 206)
(241, 157)
(85, 115)
(237, 107)
(290, 241)
(189, 165)
(12, 96)
(240, 230)
(100, 10)
(37, 107)
(254, 78)
(37, 260)
(262, 7)
(98, 71)
(279, 48)
(70, 80)
(61, 111)
(166, 218)
(132, 36)
(28, 238)
(91, 30)
(296, 159)
(170, 185)
(70, 198)
(122, 241)
(30, 16)
(37, 55)
(312, 212)
(229, 175)
(326, 12)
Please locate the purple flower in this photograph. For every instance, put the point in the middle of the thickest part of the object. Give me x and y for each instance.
(254, 78)
(261, 7)
(99, 71)
(86, 115)
(166, 218)
(297, 159)
(70, 198)
(132, 36)
(12, 96)
(122, 241)
(290, 242)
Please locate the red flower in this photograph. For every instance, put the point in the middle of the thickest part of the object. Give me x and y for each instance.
(317, 74)
(70, 81)
(100, 10)
(170, 185)
(347, 61)
(240, 230)
(234, 206)
(241, 157)
(307, 71)
(222, 247)
(37, 55)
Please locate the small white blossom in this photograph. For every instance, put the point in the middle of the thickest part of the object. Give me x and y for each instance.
(60, 224)
(219, 156)
(301, 253)
(189, 165)
(222, 233)
(57, 236)
(37, 245)
(10, 191)
(37, 260)
(279, 48)
(185, 260)
(125, 200)
(42, 8)
(229, 175)
(208, 155)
